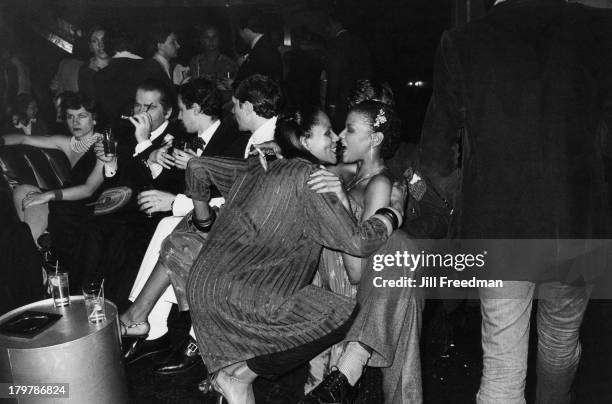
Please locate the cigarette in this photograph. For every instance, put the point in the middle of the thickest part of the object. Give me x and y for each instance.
(125, 117)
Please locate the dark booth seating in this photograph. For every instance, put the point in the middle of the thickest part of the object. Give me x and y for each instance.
(20, 265)
(47, 169)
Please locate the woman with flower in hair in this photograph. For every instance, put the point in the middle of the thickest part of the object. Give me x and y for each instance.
(371, 136)
(254, 311)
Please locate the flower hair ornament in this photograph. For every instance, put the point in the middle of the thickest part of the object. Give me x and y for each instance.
(380, 119)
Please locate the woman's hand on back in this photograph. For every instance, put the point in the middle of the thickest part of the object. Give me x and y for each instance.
(323, 181)
(270, 148)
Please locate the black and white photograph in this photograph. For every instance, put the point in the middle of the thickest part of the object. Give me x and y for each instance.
(306, 201)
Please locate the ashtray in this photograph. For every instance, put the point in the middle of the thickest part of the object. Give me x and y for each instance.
(28, 324)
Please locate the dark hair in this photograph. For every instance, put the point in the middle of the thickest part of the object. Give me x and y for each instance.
(91, 31)
(158, 34)
(254, 21)
(206, 94)
(119, 39)
(382, 118)
(166, 98)
(293, 126)
(262, 92)
(72, 100)
(373, 90)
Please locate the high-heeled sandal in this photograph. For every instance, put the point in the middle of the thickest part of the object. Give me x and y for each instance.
(233, 379)
(209, 385)
(126, 327)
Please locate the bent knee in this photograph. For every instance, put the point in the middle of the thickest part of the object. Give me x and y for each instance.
(20, 191)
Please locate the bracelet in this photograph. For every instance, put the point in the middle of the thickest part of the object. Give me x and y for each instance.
(58, 195)
(391, 215)
(385, 220)
(206, 224)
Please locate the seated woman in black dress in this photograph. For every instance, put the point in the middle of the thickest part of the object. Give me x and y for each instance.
(34, 206)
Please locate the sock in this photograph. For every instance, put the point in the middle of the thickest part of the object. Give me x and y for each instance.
(352, 361)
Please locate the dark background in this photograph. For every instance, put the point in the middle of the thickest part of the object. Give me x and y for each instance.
(401, 35)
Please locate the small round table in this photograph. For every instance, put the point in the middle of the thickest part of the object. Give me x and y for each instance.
(86, 356)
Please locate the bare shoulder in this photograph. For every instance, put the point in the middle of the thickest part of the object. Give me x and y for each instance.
(379, 183)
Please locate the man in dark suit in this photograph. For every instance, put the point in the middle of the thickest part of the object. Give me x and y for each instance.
(263, 57)
(200, 110)
(142, 149)
(164, 42)
(527, 86)
(115, 85)
(348, 60)
(138, 165)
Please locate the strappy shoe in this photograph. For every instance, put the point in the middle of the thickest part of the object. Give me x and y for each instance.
(223, 384)
(125, 327)
(209, 385)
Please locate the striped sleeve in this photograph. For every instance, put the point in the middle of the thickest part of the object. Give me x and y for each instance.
(332, 226)
(203, 172)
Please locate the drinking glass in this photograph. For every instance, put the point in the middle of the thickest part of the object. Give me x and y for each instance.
(109, 143)
(93, 292)
(58, 281)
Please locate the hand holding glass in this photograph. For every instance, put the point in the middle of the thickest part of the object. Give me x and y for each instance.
(110, 144)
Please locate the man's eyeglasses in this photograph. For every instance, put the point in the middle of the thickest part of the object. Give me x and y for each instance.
(143, 107)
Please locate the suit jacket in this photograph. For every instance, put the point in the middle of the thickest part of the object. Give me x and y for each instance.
(115, 86)
(151, 69)
(263, 59)
(132, 171)
(528, 87)
(227, 141)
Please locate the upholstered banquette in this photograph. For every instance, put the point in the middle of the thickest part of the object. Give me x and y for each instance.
(45, 168)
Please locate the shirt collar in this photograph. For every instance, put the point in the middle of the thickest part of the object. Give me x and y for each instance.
(264, 133)
(155, 133)
(208, 133)
(163, 62)
(255, 40)
(126, 54)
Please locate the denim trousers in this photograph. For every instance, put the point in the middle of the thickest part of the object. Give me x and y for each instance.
(505, 338)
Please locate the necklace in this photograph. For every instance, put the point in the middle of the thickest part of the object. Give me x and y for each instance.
(358, 180)
(83, 144)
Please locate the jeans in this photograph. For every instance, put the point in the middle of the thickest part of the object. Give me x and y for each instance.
(505, 339)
